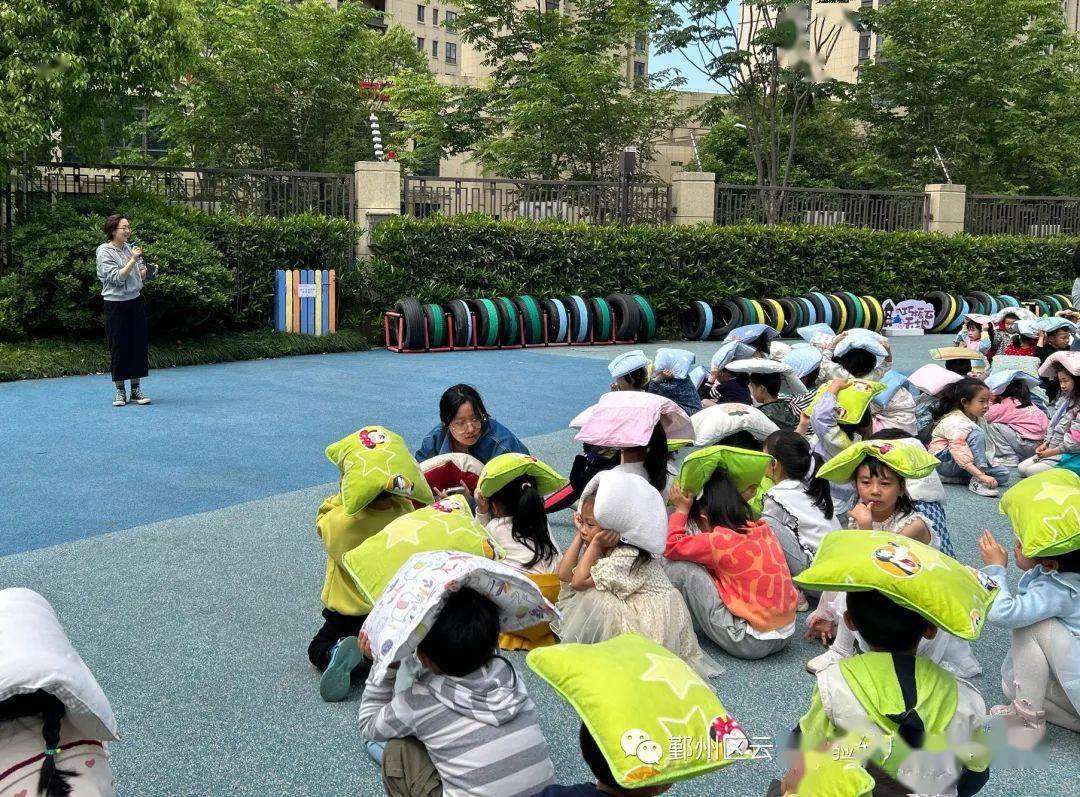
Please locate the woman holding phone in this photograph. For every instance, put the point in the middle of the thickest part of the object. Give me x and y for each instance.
(121, 270)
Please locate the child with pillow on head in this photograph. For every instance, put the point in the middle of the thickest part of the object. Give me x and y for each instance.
(860, 354)
(879, 471)
(56, 723)
(362, 507)
(1055, 335)
(913, 725)
(731, 573)
(1063, 432)
(1041, 674)
(466, 725)
(961, 441)
(929, 381)
(613, 579)
(1022, 340)
(978, 335)
(798, 508)
(833, 429)
(671, 379)
(726, 387)
(1014, 423)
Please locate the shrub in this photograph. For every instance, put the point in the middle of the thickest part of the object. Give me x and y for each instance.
(438, 259)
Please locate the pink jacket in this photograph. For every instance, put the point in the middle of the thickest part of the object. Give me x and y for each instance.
(1029, 422)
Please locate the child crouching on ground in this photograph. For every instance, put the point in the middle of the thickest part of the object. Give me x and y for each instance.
(732, 574)
(372, 494)
(897, 705)
(466, 725)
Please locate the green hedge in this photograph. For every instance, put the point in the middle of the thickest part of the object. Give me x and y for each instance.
(439, 259)
(216, 272)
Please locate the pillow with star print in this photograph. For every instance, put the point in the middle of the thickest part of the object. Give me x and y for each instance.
(446, 525)
(654, 719)
(412, 600)
(1044, 510)
(375, 460)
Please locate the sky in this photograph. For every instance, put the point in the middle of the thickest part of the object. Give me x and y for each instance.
(695, 81)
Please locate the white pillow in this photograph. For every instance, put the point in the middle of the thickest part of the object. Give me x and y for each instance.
(790, 384)
(678, 361)
(713, 424)
(861, 339)
(626, 503)
(35, 653)
(411, 602)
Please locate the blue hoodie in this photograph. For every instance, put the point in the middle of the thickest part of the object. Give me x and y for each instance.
(496, 439)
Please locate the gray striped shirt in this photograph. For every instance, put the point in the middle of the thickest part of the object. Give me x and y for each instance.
(480, 730)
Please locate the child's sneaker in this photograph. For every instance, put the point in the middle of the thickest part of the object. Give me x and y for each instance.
(979, 488)
(803, 605)
(121, 398)
(1024, 728)
(138, 397)
(826, 659)
(344, 658)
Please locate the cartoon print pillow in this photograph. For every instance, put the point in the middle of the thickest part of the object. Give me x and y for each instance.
(909, 460)
(447, 471)
(1044, 510)
(654, 719)
(373, 460)
(408, 607)
(713, 424)
(851, 402)
(446, 525)
(952, 596)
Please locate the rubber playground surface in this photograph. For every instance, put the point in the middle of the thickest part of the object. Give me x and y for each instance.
(177, 544)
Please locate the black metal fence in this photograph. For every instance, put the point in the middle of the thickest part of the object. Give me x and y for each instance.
(879, 210)
(616, 202)
(994, 214)
(260, 192)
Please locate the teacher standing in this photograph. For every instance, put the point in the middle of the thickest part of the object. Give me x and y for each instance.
(121, 271)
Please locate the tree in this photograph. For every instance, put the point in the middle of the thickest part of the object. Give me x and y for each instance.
(773, 71)
(281, 85)
(558, 102)
(65, 65)
(993, 84)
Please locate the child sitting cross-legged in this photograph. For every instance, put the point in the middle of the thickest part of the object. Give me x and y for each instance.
(466, 724)
(913, 725)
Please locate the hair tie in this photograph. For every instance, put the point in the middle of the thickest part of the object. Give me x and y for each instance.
(811, 472)
(51, 751)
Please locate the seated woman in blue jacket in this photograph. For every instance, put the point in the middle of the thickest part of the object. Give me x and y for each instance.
(467, 428)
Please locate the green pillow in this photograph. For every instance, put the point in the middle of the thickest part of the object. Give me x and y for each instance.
(446, 525)
(744, 467)
(654, 719)
(674, 444)
(910, 461)
(503, 469)
(832, 774)
(375, 460)
(1044, 510)
(851, 402)
(950, 595)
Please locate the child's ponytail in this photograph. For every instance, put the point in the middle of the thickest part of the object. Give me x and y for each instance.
(798, 462)
(953, 396)
(52, 782)
(523, 503)
(656, 457)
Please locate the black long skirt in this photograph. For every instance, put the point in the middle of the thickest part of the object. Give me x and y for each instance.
(125, 328)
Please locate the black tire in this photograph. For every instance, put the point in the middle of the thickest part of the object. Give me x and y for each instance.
(819, 307)
(534, 321)
(729, 316)
(942, 304)
(841, 322)
(976, 303)
(487, 321)
(876, 320)
(509, 321)
(627, 316)
(602, 322)
(853, 310)
(1054, 302)
(989, 303)
(697, 320)
(649, 323)
(461, 320)
(558, 320)
(436, 325)
(578, 309)
(413, 313)
(794, 316)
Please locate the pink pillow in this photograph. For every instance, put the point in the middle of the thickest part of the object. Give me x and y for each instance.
(932, 378)
(626, 418)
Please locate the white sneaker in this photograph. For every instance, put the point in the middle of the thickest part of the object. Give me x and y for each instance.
(979, 488)
(121, 398)
(826, 659)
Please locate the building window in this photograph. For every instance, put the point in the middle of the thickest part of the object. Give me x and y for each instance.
(449, 18)
(864, 46)
(551, 5)
(434, 48)
(419, 13)
(434, 16)
(451, 53)
(639, 69)
(420, 43)
(639, 44)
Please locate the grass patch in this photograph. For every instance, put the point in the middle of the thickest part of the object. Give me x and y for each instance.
(59, 357)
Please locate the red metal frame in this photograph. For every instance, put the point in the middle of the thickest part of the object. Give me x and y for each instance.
(400, 348)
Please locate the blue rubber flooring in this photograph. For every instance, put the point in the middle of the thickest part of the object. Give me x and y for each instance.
(177, 544)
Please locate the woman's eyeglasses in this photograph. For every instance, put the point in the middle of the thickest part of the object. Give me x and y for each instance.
(471, 423)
